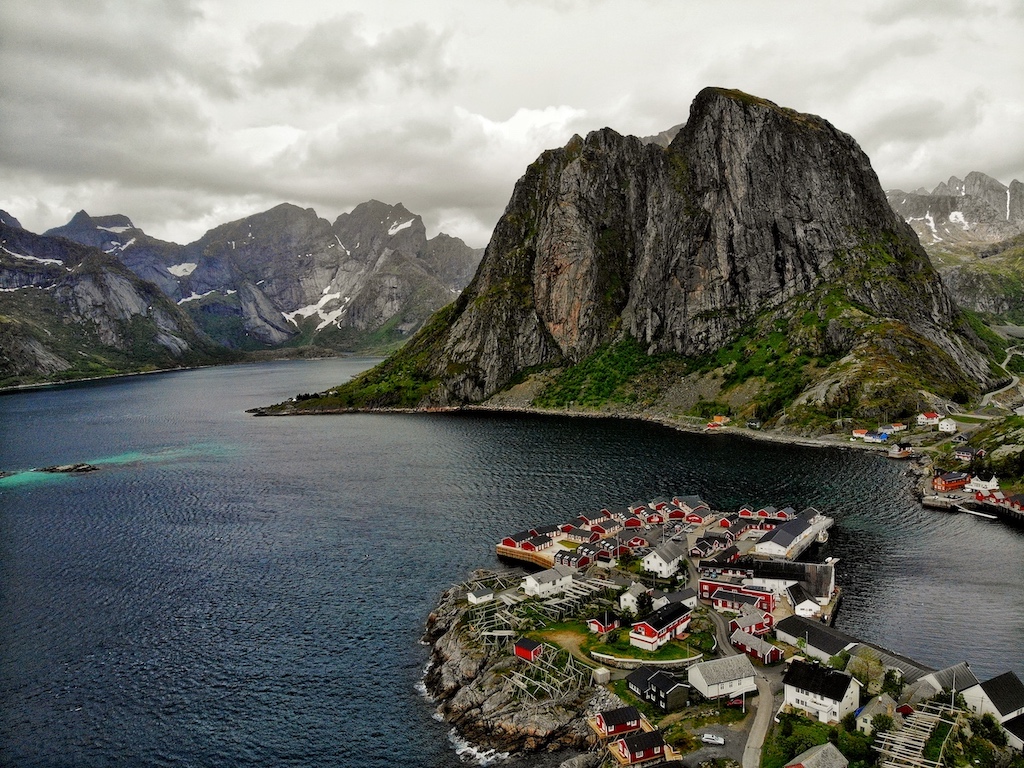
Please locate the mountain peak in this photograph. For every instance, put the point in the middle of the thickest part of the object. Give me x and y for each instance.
(682, 250)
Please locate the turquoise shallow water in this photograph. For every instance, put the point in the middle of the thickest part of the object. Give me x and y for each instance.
(231, 591)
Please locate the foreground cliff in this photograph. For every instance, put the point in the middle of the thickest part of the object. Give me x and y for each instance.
(755, 259)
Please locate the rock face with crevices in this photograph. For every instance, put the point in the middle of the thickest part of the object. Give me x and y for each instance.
(752, 211)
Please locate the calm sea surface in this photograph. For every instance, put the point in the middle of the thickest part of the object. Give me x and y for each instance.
(236, 591)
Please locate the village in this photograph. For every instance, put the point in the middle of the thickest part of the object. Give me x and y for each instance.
(695, 618)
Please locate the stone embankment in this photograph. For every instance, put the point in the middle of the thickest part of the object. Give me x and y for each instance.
(467, 680)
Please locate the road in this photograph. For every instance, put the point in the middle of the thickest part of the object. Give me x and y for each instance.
(1014, 381)
(763, 709)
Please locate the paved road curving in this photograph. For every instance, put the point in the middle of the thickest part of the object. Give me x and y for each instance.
(1014, 381)
(764, 707)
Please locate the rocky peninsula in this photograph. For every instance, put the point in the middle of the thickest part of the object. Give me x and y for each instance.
(468, 682)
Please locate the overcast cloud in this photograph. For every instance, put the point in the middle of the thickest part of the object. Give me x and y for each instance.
(184, 114)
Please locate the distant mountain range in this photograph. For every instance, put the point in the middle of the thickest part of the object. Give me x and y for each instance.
(976, 209)
(281, 278)
(288, 276)
(973, 230)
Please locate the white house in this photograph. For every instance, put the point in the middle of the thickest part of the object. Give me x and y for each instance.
(882, 704)
(480, 595)
(825, 694)
(928, 419)
(948, 426)
(1002, 697)
(726, 677)
(628, 600)
(666, 559)
(549, 582)
(976, 484)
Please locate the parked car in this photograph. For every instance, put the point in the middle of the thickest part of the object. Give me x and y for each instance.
(710, 738)
(734, 703)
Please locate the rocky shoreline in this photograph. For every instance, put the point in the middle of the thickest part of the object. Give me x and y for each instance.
(467, 682)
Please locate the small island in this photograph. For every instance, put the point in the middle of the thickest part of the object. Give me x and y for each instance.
(669, 632)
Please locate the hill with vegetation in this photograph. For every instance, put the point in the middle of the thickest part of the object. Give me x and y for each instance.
(752, 266)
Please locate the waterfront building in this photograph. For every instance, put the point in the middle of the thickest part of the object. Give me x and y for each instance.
(950, 481)
(615, 722)
(727, 677)
(813, 638)
(790, 539)
(1002, 697)
(825, 694)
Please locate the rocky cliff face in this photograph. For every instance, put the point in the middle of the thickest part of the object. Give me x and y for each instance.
(753, 215)
(286, 273)
(68, 311)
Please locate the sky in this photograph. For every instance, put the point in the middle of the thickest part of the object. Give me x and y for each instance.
(185, 114)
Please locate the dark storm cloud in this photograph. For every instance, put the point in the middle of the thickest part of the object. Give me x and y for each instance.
(335, 57)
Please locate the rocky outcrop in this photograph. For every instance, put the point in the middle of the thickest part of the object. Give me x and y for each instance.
(754, 218)
(467, 682)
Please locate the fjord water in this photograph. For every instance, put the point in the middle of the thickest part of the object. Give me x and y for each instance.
(231, 591)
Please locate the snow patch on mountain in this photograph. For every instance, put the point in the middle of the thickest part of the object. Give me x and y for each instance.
(31, 258)
(184, 269)
(396, 228)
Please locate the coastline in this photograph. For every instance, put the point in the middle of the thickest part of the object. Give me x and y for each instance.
(258, 358)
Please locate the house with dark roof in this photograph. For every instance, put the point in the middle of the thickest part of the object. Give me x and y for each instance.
(813, 638)
(667, 692)
(637, 681)
(615, 722)
(1014, 730)
(823, 693)
(606, 621)
(658, 687)
(528, 649)
(640, 747)
(659, 627)
(1002, 697)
